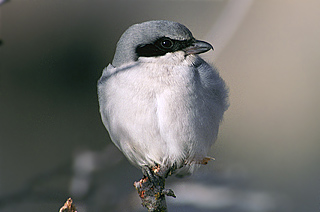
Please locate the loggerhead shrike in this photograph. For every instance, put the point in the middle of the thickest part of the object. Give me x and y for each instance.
(160, 102)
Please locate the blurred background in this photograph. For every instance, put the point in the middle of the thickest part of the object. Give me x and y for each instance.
(53, 144)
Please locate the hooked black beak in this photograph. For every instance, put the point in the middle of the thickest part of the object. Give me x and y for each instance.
(198, 47)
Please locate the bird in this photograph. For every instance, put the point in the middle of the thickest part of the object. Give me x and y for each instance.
(161, 103)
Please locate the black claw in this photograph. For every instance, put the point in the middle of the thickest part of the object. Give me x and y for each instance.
(171, 170)
(147, 172)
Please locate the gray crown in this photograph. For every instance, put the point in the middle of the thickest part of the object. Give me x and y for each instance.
(145, 33)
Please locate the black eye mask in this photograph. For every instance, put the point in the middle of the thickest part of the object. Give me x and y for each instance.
(162, 46)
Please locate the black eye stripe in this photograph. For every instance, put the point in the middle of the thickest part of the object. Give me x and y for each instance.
(162, 46)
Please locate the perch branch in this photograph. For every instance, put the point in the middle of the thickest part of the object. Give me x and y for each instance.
(152, 192)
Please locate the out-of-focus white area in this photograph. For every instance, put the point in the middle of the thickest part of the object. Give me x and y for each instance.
(221, 197)
(53, 144)
(227, 24)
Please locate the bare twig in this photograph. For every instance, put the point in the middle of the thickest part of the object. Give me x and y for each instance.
(68, 206)
(152, 192)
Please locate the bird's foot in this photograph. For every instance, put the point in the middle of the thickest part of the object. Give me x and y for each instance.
(156, 171)
(151, 173)
(151, 189)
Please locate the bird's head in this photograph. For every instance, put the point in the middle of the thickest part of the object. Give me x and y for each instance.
(154, 39)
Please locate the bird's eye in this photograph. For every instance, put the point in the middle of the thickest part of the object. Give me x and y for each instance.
(166, 43)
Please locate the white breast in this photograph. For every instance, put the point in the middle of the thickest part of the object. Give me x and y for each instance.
(163, 112)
